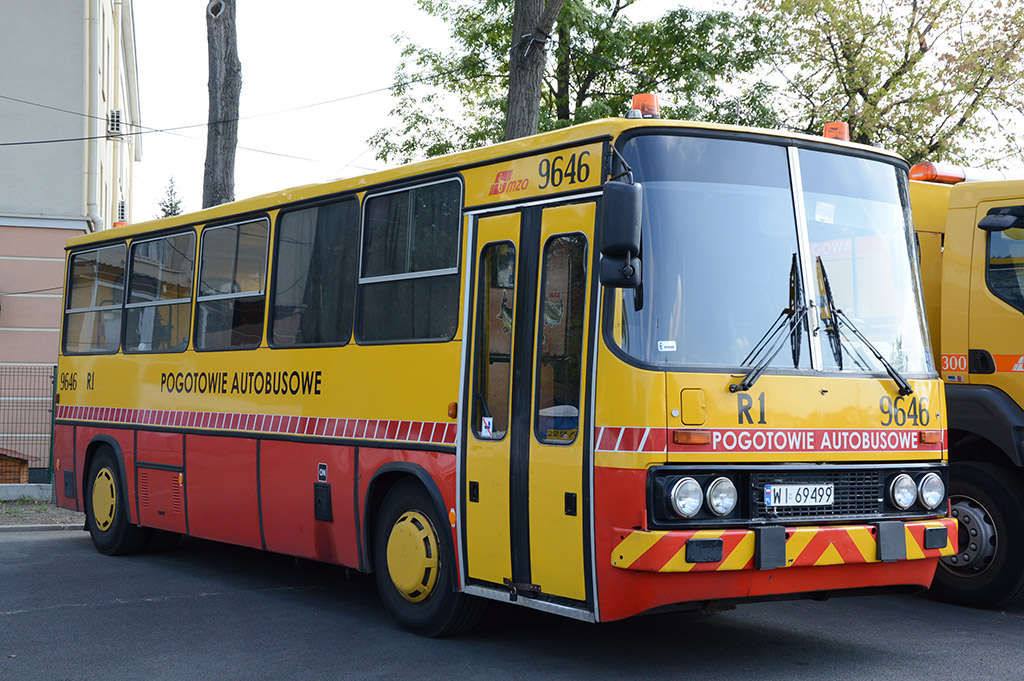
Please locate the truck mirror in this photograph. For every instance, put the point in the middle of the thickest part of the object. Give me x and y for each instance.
(1001, 219)
(620, 271)
(620, 234)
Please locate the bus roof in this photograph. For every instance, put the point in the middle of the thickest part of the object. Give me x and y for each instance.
(604, 128)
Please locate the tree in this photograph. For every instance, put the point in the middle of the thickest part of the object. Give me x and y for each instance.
(170, 205)
(927, 78)
(225, 87)
(532, 22)
(447, 101)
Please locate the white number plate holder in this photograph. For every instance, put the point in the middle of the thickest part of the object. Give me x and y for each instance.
(783, 496)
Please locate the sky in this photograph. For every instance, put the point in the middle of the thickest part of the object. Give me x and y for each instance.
(293, 55)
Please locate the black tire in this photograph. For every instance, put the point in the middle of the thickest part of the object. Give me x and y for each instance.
(423, 598)
(988, 569)
(106, 510)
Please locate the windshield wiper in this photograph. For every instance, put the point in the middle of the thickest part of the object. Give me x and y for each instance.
(833, 317)
(774, 339)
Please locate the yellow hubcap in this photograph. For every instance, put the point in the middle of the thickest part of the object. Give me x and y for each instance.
(104, 499)
(412, 556)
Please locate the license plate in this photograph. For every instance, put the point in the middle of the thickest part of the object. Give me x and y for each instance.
(777, 496)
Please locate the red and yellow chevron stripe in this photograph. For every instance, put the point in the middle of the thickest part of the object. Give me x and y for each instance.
(665, 551)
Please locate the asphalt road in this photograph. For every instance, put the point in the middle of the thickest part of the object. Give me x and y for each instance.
(217, 612)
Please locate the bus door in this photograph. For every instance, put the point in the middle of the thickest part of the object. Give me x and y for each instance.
(525, 483)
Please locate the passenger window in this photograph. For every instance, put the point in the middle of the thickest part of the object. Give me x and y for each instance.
(560, 343)
(495, 305)
(92, 324)
(1005, 266)
(232, 271)
(314, 285)
(409, 274)
(159, 308)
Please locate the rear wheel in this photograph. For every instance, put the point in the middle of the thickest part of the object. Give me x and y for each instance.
(414, 565)
(106, 511)
(987, 570)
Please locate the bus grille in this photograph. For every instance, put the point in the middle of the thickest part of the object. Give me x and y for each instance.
(856, 493)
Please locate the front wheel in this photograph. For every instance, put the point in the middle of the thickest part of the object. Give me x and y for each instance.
(414, 565)
(106, 508)
(987, 570)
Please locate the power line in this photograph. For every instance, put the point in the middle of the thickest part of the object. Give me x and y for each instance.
(174, 129)
(38, 290)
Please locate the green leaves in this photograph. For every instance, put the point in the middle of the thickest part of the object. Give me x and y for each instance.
(932, 79)
(700, 63)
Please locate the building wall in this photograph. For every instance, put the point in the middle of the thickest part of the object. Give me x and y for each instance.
(42, 50)
(65, 65)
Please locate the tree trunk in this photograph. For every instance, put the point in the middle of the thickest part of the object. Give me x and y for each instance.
(225, 86)
(531, 24)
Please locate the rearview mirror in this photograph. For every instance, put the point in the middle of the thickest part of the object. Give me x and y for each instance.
(620, 235)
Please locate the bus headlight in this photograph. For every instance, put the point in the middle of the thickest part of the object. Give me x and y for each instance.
(686, 497)
(930, 490)
(903, 492)
(722, 496)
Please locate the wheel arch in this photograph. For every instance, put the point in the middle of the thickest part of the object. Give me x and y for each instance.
(94, 446)
(985, 415)
(382, 482)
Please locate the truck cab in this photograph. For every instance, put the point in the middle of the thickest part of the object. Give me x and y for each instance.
(971, 243)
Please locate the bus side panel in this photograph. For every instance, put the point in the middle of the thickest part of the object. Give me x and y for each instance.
(125, 440)
(64, 455)
(220, 481)
(159, 458)
(288, 473)
(439, 466)
(618, 502)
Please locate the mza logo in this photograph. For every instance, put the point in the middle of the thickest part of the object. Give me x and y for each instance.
(503, 183)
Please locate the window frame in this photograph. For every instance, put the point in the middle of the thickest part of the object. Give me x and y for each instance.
(539, 307)
(357, 322)
(272, 295)
(67, 311)
(198, 299)
(481, 365)
(1015, 304)
(191, 300)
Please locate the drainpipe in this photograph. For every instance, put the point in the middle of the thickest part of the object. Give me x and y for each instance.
(94, 35)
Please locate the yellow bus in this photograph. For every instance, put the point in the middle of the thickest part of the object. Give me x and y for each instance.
(629, 366)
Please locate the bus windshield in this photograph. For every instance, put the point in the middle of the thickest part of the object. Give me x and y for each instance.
(722, 259)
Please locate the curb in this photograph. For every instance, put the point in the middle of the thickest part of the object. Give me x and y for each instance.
(39, 528)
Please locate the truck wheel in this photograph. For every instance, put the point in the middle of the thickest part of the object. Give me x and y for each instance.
(414, 565)
(106, 508)
(988, 568)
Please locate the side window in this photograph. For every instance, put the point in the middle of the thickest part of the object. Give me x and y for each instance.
(497, 296)
(409, 271)
(159, 308)
(94, 298)
(315, 281)
(560, 345)
(1005, 266)
(232, 275)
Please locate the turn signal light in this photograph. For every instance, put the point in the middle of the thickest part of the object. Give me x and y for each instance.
(931, 437)
(453, 410)
(691, 437)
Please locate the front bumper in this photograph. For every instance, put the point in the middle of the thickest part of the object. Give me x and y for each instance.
(777, 547)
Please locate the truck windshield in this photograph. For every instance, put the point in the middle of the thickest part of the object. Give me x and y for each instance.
(719, 243)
